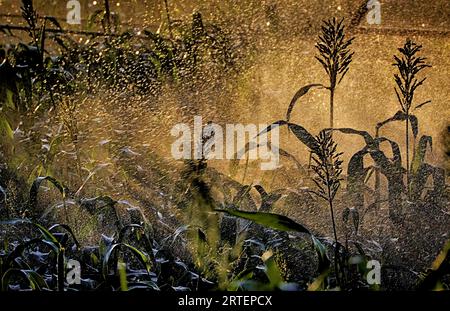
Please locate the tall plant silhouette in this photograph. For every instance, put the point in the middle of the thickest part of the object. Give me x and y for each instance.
(409, 65)
(327, 167)
(334, 55)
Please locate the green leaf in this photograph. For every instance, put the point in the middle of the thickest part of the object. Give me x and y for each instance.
(88, 203)
(274, 221)
(397, 156)
(420, 152)
(141, 256)
(68, 229)
(35, 281)
(19, 249)
(272, 270)
(6, 127)
(46, 234)
(324, 261)
(142, 285)
(320, 282)
(419, 179)
(267, 199)
(391, 169)
(304, 136)
(439, 268)
(422, 104)
(122, 269)
(356, 175)
(60, 268)
(37, 184)
(124, 230)
(10, 99)
(367, 137)
(241, 278)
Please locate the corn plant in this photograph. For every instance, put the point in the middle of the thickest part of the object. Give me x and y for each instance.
(15, 263)
(328, 168)
(31, 17)
(112, 253)
(409, 65)
(37, 33)
(212, 255)
(116, 251)
(334, 55)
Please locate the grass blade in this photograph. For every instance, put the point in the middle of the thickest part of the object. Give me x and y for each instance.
(35, 281)
(68, 229)
(37, 184)
(301, 92)
(274, 221)
(143, 258)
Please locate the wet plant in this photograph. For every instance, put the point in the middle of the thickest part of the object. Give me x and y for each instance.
(328, 169)
(16, 262)
(39, 66)
(106, 266)
(409, 66)
(109, 21)
(31, 17)
(334, 56)
(358, 174)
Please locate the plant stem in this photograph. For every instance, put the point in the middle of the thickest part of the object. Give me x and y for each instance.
(332, 218)
(377, 176)
(332, 106)
(330, 202)
(107, 17)
(407, 152)
(169, 21)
